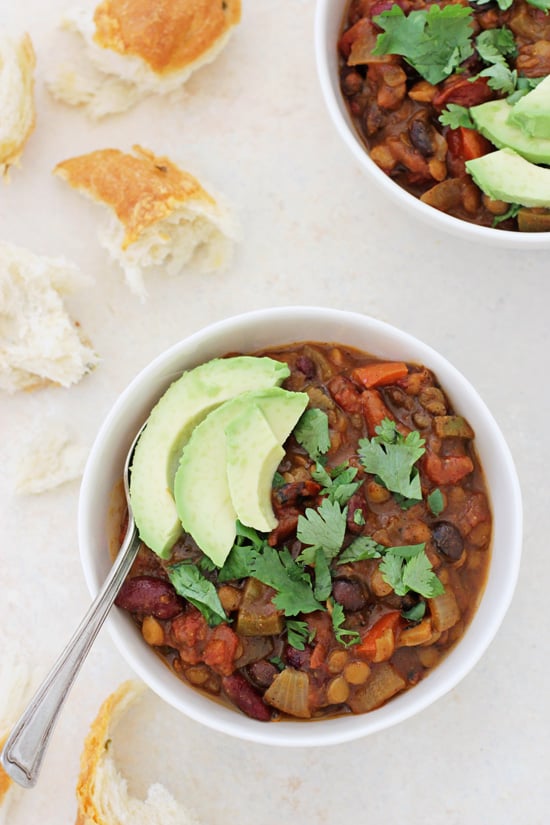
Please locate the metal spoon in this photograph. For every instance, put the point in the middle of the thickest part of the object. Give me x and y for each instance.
(25, 747)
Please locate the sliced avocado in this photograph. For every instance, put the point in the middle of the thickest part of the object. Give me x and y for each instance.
(532, 111)
(506, 176)
(253, 455)
(184, 404)
(201, 487)
(492, 119)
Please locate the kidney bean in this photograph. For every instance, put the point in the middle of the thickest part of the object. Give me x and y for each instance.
(150, 596)
(304, 363)
(448, 540)
(299, 659)
(245, 697)
(349, 594)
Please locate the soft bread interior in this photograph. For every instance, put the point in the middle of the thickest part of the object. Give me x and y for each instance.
(39, 343)
(161, 218)
(102, 791)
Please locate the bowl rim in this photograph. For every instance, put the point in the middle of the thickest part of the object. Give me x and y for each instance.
(324, 41)
(116, 432)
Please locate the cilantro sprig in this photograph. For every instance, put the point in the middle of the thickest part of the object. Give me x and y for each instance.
(408, 568)
(190, 583)
(391, 457)
(433, 41)
(337, 484)
(312, 432)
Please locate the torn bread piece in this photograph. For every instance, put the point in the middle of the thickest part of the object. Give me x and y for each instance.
(161, 217)
(39, 344)
(134, 48)
(17, 682)
(102, 792)
(17, 63)
(51, 457)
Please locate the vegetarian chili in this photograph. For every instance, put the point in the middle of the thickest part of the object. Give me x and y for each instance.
(373, 572)
(409, 72)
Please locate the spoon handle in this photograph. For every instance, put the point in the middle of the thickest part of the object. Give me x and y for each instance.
(24, 749)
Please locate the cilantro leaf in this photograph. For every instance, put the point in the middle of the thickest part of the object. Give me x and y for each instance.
(237, 565)
(190, 583)
(323, 579)
(434, 41)
(436, 502)
(391, 457)
(510, 213)
(278, 480)
(524, 85)
(408, 568)
(455, 116)
(415, 613)
(361, 548)
(502, 4)
(312, 432)
(324, 527)
(337, 484)
(298, 633)
(342, 634)
(278, 570)
(494, 46)
(540, 4)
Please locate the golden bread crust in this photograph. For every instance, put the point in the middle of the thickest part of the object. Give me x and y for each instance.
(5, 780)
(95, 745)
(11, 148)
(167, 34)
(142, 189)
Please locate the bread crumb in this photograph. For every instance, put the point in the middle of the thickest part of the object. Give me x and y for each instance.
(102, 792)
(17, 63)
(39, 344)
(51, 458)
(135, 48)
(161, 217)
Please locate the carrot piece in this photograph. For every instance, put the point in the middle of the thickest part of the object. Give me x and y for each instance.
(448, 469)
(374, 410)
(375, 643)
(379, 373)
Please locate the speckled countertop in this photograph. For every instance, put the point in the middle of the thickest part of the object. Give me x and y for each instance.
(254, 125)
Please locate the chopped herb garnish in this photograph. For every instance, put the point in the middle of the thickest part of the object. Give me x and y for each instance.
(312, 433)
(510, 213)
(337, 484)
(415, 613)
(323, 579)
(408, 568)
(455, 116)
(361, 548)
(298, 634)
(279, 570)
(494, 46)
(434, 42)
(324, 527)
(358, 517)
(436, 502)
(391, 457)
(343, 635)
(278, 481)
(190, 583)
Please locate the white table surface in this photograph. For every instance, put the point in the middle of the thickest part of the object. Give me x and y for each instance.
(254, 125)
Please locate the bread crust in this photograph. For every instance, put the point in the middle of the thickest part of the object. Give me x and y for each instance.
(95, 746)
(167, 34)
(141, 189)
(13, 141)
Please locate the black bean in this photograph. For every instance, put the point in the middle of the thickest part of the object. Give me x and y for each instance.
(305, 364)
(448, 540)
(262, 673)
(349, 594)
(298, 659)
(421, 138)
(149, 596)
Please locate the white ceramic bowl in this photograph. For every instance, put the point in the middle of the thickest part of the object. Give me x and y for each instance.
(328, 20)
(247, 333)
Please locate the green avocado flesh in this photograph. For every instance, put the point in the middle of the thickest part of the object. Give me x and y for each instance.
(506, 176)
(172, 421)
(532, 112)
(202, 489)
(493, 120)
